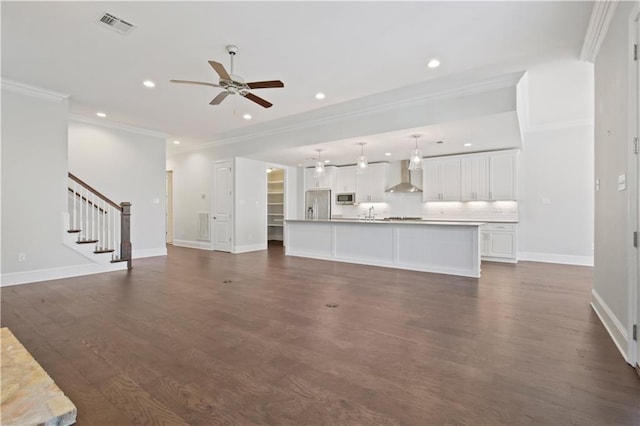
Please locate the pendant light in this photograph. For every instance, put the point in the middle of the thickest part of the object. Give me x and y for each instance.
(415, 160)
(362, 160)
(319, 163)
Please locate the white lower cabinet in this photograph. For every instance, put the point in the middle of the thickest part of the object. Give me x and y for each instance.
(498, 242)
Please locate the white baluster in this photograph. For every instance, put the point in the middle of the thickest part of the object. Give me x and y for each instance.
(85, 219)
(75, 213)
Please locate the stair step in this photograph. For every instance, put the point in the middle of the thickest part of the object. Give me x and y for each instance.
(74, 231)
(104, 251)
(86, 241)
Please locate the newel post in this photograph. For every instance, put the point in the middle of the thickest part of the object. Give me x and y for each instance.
(125, 233)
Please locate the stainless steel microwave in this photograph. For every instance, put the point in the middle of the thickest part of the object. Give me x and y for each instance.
(346, 198)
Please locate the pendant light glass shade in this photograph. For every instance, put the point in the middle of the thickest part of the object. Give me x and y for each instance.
(415, 160)
(319, 163)
(362, 162)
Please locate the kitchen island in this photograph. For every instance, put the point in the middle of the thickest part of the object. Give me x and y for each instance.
(430, 246)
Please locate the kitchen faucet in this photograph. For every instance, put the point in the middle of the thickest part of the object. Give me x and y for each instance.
(371, 215)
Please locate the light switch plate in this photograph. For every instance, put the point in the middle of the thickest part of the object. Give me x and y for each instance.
(622, 182)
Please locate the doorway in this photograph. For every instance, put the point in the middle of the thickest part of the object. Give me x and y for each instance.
(635, 284)
(222, 207)
(275, 206)
(169, 210)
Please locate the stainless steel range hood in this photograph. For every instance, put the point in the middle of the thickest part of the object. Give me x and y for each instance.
(405, 184)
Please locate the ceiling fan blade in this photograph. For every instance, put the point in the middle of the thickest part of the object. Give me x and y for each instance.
(219, 98)
(219, 68)
(258, 100)
(265, 84)
(202, 83)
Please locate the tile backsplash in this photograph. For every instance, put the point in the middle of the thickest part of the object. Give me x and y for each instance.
(412, 205)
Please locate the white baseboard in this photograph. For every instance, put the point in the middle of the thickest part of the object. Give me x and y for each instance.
(565, 259)
(139, 254)
(611, 323)
(202, 245)
(249, 247)
(25, 277)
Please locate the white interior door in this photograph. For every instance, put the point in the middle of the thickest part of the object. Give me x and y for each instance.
(637, 194)
(222, 206)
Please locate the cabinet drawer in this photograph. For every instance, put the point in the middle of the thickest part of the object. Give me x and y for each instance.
(500, 226)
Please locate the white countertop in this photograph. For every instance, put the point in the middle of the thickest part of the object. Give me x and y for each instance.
(430, 219)
(391, 222)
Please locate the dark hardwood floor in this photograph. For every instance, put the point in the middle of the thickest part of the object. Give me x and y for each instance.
(170, 342)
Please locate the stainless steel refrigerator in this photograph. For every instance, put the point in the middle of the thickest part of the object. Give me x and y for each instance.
(317, 204)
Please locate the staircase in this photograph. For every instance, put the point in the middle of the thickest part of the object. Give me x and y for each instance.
(98, 223)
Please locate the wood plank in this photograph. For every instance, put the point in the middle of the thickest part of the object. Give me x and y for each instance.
(171, 343)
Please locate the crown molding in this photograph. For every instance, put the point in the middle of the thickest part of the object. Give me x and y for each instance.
(601, 16)
(33, 91)
(362, 107)
(112, 125)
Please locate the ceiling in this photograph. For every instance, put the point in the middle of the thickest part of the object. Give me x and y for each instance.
(347, 50)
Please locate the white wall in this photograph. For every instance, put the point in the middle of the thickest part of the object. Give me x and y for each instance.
(612, 156)
(125, 165)
(192, 180)
(34, 187)
(250, 204)
(556, 163)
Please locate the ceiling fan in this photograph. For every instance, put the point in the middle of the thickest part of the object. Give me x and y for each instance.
(233, 84)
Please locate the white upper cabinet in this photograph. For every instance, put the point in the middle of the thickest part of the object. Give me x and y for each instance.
(325, 181)
(475, 178)
(490, 176)
(503, 174)
(346, 179)
(441, 179)
(371, 183)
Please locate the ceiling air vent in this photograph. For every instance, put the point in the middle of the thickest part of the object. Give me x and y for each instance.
(116, 24)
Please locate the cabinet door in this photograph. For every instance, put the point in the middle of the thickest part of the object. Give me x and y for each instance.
(502, 244)
(377, 182)
(346, 179)
(482, 178)
(503, 177)
(363, 191)
(450, 180)
(430, 181)
(485, 237)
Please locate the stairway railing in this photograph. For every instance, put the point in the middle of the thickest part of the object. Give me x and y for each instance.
(100, 221)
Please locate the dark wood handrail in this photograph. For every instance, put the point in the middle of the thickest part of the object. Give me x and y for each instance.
(90, 188)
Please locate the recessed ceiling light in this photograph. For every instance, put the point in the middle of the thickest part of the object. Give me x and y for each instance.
(468, 144)
(387, 154)
(247, 116)
(320, 96)
(149, 83)
(101, 114)
(434, 63)
(176, 142)
(327, 161)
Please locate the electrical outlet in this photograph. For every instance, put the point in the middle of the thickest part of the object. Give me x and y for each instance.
(22, 257)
